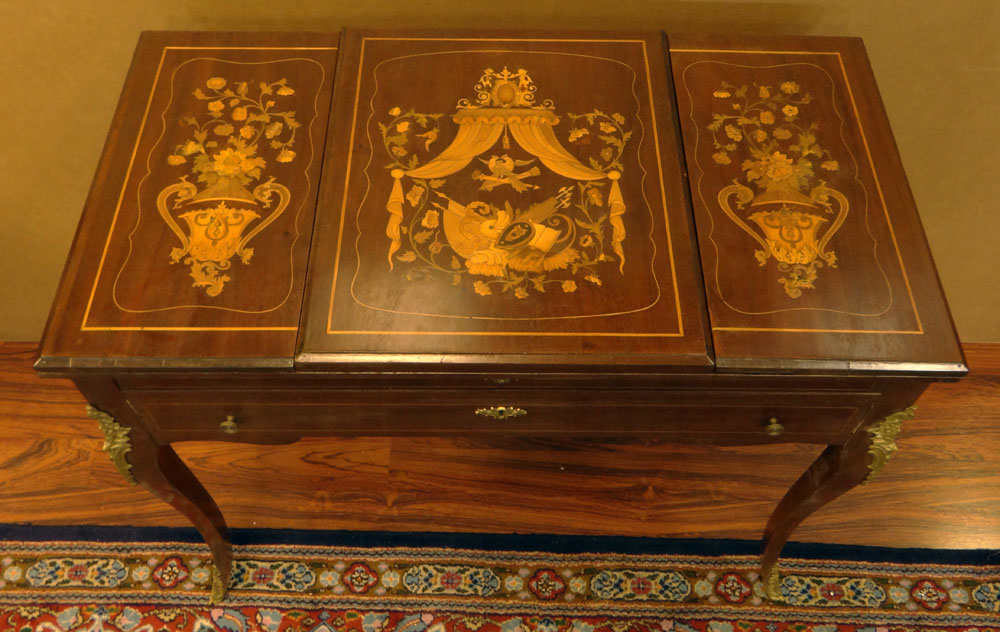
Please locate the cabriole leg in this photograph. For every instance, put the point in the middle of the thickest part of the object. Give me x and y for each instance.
(158, 468)
(838, 469)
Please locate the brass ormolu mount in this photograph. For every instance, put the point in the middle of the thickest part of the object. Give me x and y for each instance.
(116, 441)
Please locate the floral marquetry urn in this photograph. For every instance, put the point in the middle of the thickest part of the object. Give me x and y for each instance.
(788, 209)
(207, 194)
(225, 153)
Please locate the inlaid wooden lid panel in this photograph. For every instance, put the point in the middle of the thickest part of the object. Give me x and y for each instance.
(812, 251)
(195, 238)
(496, 197)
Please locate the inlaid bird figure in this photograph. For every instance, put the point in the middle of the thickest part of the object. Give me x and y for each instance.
(475, 228)
(490, 238)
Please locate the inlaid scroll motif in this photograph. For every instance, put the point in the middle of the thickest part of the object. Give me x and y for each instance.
(227, 151)
(569, 234)
(790, 211)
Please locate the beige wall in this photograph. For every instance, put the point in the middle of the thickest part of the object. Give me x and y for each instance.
(937, 63)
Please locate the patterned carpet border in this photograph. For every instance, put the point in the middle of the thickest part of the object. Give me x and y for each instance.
(56, 579)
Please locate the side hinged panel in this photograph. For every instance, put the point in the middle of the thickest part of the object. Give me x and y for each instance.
(504, 198)
(193, 244)
(812, 251)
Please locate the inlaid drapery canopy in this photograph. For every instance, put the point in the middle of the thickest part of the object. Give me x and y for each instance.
(479, 128)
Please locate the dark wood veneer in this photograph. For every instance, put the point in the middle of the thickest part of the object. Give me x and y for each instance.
(593, 356)
(881, 306)
(123, 302)
(645, 310)
(737, 416)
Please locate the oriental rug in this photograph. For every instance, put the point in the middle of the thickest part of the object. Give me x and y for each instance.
(97, 579)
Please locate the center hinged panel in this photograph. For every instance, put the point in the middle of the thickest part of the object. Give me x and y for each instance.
(497, 195)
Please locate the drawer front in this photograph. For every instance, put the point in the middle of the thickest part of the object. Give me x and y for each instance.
(796, 417)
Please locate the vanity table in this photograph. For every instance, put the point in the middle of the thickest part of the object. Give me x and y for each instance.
(608, 235)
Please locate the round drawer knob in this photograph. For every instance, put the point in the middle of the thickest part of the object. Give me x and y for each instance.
(774, 429)
(501, 412)
(229, 426)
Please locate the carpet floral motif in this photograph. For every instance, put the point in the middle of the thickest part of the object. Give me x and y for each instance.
(163, 587)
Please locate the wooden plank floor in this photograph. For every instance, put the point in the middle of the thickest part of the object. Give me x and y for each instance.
(941, 490)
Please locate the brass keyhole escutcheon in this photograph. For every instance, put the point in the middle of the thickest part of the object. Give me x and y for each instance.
(774, 429)
(229, 426)
(501, 412)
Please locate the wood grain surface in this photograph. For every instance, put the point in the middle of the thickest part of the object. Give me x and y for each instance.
(587, 256)
(194, 239)
(942, 489)
(812, 249)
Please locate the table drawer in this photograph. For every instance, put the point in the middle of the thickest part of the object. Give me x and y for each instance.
(802, 417)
